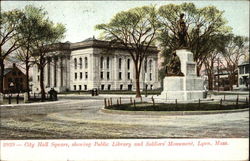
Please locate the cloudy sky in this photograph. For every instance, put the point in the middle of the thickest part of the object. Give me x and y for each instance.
(80, 17)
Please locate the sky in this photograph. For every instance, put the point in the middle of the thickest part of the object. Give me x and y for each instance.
(80, 17)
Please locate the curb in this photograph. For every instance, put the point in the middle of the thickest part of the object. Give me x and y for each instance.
(170, 113)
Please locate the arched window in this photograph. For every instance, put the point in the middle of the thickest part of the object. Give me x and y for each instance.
(150, 65)
(101, 62)
(86, 62)
(120, 63)
(80, 63)
(75, 63)
(107, 62)
(145, 65)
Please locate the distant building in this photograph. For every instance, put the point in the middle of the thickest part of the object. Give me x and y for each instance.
(243, 78)
(223, 77)
(95, 64)
(14, 80)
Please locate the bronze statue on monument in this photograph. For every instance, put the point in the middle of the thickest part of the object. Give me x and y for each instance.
(173, 68)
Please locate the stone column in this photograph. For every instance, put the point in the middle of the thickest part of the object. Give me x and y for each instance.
(59, 73)
(68, 73)
(52, 66)
(115, 72)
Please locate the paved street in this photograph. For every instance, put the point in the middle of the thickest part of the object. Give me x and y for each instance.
(81, 118)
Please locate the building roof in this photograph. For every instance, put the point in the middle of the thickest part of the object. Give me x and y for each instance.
(90, 43)
(244, 63)
(7, 70)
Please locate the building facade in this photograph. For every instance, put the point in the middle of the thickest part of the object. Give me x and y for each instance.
(94, 63)
(14, 80)
(243, 79)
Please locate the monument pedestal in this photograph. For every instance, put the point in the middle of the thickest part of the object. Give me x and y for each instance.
(187, 87)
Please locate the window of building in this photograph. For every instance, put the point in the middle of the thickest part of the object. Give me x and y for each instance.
(150, 65)
(102, 86)
(241, 69)
(75, 75)
(121, 86)
(107, 62)
(101, 63)
(86, 62)
(151, 86)
(101, 75)
(128, 64)
(145, 65)
(86, 75)
(75, 87)
(128, 75)
(108, 76)
(75, 63)
(38, 78)
(80, 87)
(109, 87)
(85, 87)
(120, 75)
(80, 75)
(150, 76)
(80, 63)
(130, 87)
(120, 63)
(247, 68)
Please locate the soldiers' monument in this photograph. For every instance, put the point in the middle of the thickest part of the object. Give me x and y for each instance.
(181, 81)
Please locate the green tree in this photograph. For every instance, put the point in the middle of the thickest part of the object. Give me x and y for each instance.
(43, 35)
(236, 48)
(135, 30)
(27, 37)
(202, 25)
(9, 21)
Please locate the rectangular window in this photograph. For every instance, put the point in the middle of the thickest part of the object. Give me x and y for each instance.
(101, 75)
(75, 75)
(128, 76)
(85, 87)
(120, 63)
(120, 75)
(150, 76)
(38, 78)
(86, 75)
(102, 86)
(80, 75)
(108, 76)
(109, 87)
(247, 69)
(107, 62)
(75, 87)
(121, 87)
(128, 64)
(80, 87)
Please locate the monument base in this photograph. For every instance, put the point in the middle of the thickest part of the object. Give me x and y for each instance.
(182, 88)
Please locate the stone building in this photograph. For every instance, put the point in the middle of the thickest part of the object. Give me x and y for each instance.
(94, 63)
(14, 80)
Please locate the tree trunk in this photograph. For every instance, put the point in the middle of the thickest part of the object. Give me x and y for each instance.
(210, 81)
(137, 83)
(1, 74)
(27, 78)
